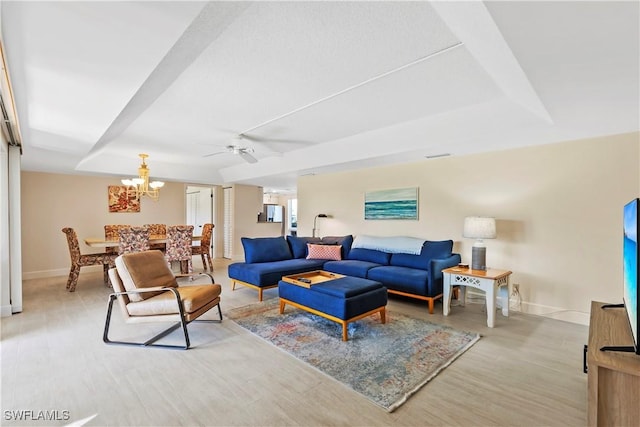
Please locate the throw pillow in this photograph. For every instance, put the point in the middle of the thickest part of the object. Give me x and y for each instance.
(298, 245)
(330, 252)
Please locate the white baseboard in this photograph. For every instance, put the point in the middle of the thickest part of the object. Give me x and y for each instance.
(27, 275)
(557, 313)
(551, 312)
(5, 311)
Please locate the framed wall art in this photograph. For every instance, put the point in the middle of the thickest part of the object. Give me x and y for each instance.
(401, 203)
(119, 201)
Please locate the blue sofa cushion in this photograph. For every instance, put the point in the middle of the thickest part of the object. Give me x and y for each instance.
(348, 267)
(430, 250)
(267, 274)
(403, 279)
(265, 249)
(344, 241)
(369, 255)
(298, 245)
(346, 287)
(437, 249)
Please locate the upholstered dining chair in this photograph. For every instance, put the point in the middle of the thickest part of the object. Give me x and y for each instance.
(157, 230)
(133, 239)
(204, 249)
(78, 260)
(111, 232)
(178, 247)
(147, 291)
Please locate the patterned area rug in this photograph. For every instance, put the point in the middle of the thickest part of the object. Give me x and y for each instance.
(385, 363)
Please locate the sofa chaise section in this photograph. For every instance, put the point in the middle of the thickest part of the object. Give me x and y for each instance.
(265, 275)
(267, 259)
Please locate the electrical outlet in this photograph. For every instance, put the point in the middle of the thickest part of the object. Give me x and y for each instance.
(515, 300)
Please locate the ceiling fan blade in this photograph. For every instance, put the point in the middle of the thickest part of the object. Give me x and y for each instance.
(266, 140)
(248, 157)
(215, 154)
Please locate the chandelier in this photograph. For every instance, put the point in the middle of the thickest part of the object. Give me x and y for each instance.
(140, 186)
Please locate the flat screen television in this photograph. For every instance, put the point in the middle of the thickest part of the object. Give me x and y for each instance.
(631, 258)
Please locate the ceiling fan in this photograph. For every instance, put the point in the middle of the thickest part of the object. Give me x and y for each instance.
(238, 149)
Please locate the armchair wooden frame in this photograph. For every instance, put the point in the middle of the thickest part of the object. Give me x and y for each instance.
(181, 317)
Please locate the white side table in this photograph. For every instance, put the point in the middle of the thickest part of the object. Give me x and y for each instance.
(491, 281)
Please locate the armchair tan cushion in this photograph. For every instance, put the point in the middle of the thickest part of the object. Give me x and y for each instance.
(146, 269)
(193, 299)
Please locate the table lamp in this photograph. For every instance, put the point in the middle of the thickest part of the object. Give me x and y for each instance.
(479, 228)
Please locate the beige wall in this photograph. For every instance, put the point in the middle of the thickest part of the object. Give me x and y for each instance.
(558, 209)
(248, 202)
(51, 202)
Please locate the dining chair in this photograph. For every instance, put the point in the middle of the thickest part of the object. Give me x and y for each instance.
(133, 239)
(204, 249)
(157, 230)
(111, 233)
(178, 247)
(79, 260)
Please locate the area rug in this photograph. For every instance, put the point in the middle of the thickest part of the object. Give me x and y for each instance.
(386, 363)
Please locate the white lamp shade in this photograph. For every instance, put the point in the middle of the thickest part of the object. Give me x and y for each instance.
(479, 227)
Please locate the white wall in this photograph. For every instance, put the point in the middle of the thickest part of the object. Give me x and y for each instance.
(5, 286)
(558, 210)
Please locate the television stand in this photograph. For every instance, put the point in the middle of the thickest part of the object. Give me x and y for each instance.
(612, 306)
(621, 348)
(613, 378)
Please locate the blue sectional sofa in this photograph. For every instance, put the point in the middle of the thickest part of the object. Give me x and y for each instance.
(417, 275)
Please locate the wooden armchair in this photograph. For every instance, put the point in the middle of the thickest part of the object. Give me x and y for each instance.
(147, 291)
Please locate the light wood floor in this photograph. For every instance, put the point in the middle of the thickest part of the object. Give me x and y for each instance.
(527, 371)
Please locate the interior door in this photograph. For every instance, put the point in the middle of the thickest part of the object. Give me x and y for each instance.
(199, 208)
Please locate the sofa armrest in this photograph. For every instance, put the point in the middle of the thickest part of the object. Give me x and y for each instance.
(435, 272)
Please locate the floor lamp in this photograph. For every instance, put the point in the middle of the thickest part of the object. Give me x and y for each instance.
(315, 223)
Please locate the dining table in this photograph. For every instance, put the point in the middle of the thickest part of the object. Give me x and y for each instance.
(101, 242)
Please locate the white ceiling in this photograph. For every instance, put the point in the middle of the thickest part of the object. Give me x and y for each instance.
(316, 86)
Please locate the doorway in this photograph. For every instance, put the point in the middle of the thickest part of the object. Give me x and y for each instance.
(199, 208)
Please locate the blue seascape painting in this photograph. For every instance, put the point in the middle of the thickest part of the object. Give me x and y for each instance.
(391, 204)
(630, 251)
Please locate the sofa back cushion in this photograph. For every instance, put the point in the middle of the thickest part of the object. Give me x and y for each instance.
(437, 249)
(298, 245)
(344, 241)
(369, 255)
(265, 249)
(430, 250)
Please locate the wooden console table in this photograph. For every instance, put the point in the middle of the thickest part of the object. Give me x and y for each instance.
(613, 377)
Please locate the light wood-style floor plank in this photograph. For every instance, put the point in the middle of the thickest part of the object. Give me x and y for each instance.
(527, 371)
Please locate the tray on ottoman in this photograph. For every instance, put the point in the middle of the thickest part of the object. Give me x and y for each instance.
(311, 278)
(342, 299)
